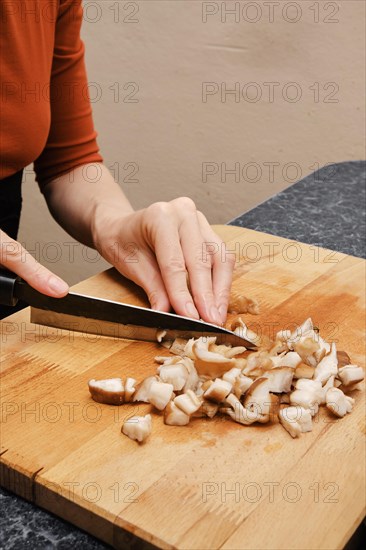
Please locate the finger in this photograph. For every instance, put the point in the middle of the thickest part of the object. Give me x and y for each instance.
(169, 256)
(15, 258)
(143, 270)
(222, 267)
(199, 267)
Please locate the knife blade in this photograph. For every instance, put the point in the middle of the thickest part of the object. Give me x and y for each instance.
(83, 313)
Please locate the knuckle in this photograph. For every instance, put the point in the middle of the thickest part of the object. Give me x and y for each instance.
(186, 203)
(158, 209)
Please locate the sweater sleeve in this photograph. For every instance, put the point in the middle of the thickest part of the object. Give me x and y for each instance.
(72, 139)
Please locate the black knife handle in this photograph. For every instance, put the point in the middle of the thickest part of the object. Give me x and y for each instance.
(7, 287)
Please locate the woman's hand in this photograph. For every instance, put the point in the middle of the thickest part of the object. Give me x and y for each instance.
(15, 258)
(158, 246)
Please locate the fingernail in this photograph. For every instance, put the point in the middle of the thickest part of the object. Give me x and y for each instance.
(191, 310)
(57, 285)
(223, 313)
(215, 315)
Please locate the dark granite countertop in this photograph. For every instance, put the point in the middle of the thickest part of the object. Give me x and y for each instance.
(327, 209)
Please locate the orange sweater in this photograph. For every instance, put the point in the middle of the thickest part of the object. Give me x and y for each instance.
(45, 113)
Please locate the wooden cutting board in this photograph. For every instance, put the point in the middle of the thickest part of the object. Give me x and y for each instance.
(212, 484)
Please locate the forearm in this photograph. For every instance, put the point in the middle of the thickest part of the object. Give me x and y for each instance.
(75, 198)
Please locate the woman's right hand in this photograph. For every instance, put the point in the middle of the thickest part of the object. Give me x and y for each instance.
(17, 259)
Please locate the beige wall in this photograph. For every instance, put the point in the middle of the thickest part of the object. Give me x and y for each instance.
(149, 68)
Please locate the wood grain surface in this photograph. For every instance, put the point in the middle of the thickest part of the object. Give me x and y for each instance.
(212, 484)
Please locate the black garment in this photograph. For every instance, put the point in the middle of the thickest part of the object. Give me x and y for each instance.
(10, 208)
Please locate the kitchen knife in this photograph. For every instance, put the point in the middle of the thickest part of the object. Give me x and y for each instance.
(79, 312)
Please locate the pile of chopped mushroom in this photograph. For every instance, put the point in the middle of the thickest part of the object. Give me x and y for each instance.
(288, 379)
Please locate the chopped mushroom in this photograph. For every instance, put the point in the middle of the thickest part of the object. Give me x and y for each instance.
(308, 394)
(291, 359)
(231, 375)
(110, 391)
(207, 408)
(208, 362)
(350, 375)
(178, 346)
(174, 416)
(307, 346)
(238, 412)
(143, 389)
(218, 390)
(343, 359)
(280, 379)
(160, 394)
(240, 328)
(328, 366)
(175, 374)
(296, 420)
(160, 333)
(259, 400)
(304, 371)
(242, 304)
(339, 403)
(188, 402)
(137, 427)
(211, 379)
(242, 383)
(129, 389)
(299, 332)
(226, 351)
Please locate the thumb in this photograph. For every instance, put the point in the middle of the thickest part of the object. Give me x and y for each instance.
(17, 259)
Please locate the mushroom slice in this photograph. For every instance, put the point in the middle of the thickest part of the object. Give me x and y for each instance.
(110, 391)
(296, 420)
(257, 362)
(160, 333)
(324, 348)
(307, 346)
(350, 375)
(328, 366)
(304, 371)
(174, 416)
(281, 340)
(258, 400)
(290, 359)
(308, 394)
(299, 332)
(339, 403)
(160, 394)
(242, 383)
(129, 389)
(208, 362)
(178, 346)
(218, 390)
(188, 402)
(227, 351)
(240, 328)
(142, 392)
(242, 304)
(280, 379)
(175, 374)
(207, 408)
(137, 427)
(193, 380)
(238, 412)
(231, 375)
(167, 360)
(343, 359)
(329, 384)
